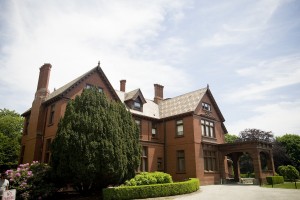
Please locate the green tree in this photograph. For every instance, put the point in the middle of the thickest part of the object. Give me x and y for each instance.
(280, 155)
(291, 144)
(231, 138)
(256, 135)
(11, 124)
(289, 172)
(97, 143)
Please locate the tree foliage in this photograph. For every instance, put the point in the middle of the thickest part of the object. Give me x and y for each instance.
(231, 138)
(11, 124)
(256, 135)
(97, 143)
(280, 155)
(290, 143)
(289, 172)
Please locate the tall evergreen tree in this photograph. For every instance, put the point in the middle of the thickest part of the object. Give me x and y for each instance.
(97, 143)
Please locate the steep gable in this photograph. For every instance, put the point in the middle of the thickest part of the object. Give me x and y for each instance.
(62, 91)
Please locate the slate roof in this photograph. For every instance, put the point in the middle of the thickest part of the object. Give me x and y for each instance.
(181, 104)
(168, 107)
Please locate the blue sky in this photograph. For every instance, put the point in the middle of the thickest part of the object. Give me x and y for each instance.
(246, 50)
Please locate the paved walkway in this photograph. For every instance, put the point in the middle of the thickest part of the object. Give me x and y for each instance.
(239, 192)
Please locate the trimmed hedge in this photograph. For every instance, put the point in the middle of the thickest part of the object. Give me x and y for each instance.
(149, 178)
(150, 191)
(275, 179)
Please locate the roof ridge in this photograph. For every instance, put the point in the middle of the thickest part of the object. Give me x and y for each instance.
(184, 94)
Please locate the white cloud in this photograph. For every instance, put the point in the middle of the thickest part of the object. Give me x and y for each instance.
(280, 118)
(73, 36)
(267, 76)
(251, 23)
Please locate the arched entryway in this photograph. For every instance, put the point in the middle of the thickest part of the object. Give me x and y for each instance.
(260, 152)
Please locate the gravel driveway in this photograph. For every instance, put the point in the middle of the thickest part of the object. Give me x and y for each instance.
(242, 192)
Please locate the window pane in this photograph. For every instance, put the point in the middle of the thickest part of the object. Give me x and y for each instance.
(153, 131)
(203, 130)
(179, 122)
(137, 105)
(207, 131)
(212, 132)
(180, 130)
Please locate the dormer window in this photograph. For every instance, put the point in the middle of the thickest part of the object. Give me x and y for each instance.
(137, 105)
(206, 106)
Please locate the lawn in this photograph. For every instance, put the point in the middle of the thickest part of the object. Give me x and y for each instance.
(285, 185)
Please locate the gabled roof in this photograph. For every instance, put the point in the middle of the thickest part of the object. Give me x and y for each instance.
(64, 89)
(181, 104)
(60, 92)
(216, 106)
(134, 94)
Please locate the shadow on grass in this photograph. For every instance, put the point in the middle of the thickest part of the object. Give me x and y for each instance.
(285, 185)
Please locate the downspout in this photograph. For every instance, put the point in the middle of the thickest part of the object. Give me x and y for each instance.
(165, 148)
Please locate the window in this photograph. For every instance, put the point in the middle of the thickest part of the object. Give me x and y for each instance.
(137, 105)
(144, 160)
(210, 160)
(180, 161)
(160, 166)
(206, 106)
(51, 117)
(88, 86)
(179, 128)
(26, 125)
(139, 124)
(207, 128)
(47, 151)
(22, 154)
(154, 130)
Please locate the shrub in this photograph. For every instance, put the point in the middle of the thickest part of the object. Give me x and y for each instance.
(275, 180)
(31, 181)
(150, 191)
(149, 178)
(289, 172)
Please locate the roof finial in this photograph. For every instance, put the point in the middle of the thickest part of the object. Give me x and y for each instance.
(207, 86)
(99, 63)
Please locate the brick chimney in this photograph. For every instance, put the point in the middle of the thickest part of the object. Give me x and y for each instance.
(42, 87)
(158, 93)
(122, 85)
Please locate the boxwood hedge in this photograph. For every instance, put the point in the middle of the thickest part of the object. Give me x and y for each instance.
(150, 191)
(275, 179)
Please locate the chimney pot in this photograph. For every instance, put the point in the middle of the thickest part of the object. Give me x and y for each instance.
(122, 85)
(44, 76)
(158, 93)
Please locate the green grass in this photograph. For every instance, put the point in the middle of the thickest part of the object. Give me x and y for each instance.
(285, 185)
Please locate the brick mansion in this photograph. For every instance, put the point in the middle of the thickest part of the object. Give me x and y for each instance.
(182, 136)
